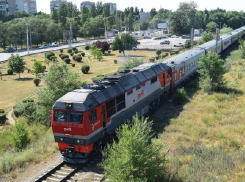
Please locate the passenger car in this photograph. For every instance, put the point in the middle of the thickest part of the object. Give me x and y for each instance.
(174, 36)
(54, 44)
(165, 42)
(10, 50)
(179, 44)
(147, 37)
(43, 46)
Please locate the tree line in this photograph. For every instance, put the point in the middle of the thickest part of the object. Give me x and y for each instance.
(92, 21)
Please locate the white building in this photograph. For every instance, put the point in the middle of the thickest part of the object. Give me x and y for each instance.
(86, 4)
(29, 6)
(3, 7)
(144, 15)
(113, 6)
(56, 4)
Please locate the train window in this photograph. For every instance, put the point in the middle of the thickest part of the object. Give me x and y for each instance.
(153, 80)
(120, 102)
(130, 92)
(110, 104)
(76, 118)
(138, 87)
(60, 116)
(93, 116)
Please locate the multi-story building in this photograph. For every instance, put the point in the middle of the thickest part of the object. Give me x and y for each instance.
(4, 7)
(113, 6)
(86, 4)
(144, 15)
(29, 6)
(56, 4)
(11, 6)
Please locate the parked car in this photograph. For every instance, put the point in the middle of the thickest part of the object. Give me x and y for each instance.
(179, 44)
(157, 38)
(174, 36)
(147, 37)
(165, 42)
(10, 50)
(43, 46)
(54, 44)
(138, 42)
(186, 36)
(163, 37)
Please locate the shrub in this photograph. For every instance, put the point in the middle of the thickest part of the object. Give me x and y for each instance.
(74, 57)
(52, 58)
(61, 50)
(78, 58)
(60, 55)
(44, 67)
(26, 109)
(73, 65)
(64, 56)
(10, 72)
(28, 100)
(37, 81)
(115, 61)
(109, 52)
(157, 57)
(74, 48)
(180, 96)
(19, 137)
(119, 51)
(86, 47)
(2, 111)
(76, 51)
(67, 60)
(49, 54)
(152, 59)
(3, 118)
(69, 50)
(85, 69)
(83, 54)
(72, 54)
(172, 52)
(158, 51)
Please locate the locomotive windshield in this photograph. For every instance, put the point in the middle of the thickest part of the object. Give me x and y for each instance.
(61, 116)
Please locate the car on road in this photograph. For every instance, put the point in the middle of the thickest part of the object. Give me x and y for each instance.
(186, 36)
(165, 42)
(179, 44)
(157, 38)
(138, 42)
(163, 37)
(10, 50)
(174, 36)
(54, 44)
(43, 46)
(147, 37)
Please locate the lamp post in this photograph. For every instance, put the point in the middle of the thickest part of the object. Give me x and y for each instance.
(27, 39)
(219, 25)
(105, 25)
(70, 34)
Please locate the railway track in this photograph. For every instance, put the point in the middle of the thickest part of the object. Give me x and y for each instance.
(64, 172)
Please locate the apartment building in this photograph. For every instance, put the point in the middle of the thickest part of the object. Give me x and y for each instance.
(4, 7)
(86, 4)
(29, 6)
(56, 4)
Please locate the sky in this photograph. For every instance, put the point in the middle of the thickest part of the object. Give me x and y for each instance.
(147, 5)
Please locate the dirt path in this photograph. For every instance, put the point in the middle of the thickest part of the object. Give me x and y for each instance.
(10, 119)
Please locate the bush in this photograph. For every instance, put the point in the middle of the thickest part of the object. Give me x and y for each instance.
(61, 50)
(10, 72)
(86, 47)
(78, 58)
(157, 57)
(37, 81)
(74, 57)
(19, 137)
(152, 59)
(73, 65)
(28, 100)
(64, 56)
(52, 58)
(180, 97)
(69, 50)
(83, 54)
(49, 54)
(60, 55)
(3, 118)
(119, 51)
(85, 69)
(2, 111)
(172, 52)
(26, 109)
(158, 51)
(109, 52)
(74, 48)
(67, 60)
(75, 51)
(44, 67)
(115, 61)
(71, 54)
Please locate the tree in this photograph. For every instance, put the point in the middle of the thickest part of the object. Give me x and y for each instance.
(211, 70)
(37, 67)
(211, 27)
(153, 12)
(183, 19)
(96, 52)
(206, 36)
(136, 156)
(126, 42)
(57, 82)
(16, 64)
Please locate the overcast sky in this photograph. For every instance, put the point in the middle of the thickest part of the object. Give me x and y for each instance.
(147, 5)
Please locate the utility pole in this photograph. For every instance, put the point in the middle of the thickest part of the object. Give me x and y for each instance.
(192, 37)
(217, 38)
(27, 39)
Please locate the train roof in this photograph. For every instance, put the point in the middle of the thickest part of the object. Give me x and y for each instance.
(102, 91)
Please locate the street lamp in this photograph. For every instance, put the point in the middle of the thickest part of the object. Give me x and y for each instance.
(219, 25)
(105, 24)
(70, 35)
(27, 39)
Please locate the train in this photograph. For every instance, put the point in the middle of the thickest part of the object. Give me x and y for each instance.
(86, 118)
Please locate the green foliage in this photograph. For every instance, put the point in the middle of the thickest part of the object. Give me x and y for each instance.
(3, 118)
(27, 100)
(136, 156)
(180, 97)
(242, 48)
(211, 70)
(63, 56)
(85, 69)
(211, 27)
(188, 44)
(10, 72)
(38, 67)
(152, 59)
(172, 52)
(75, 51)
(78, 58)
(74, 48)
(157, 57)
(58, 81)
(16, 64)
(225, 30)
(67, 60)
(19, 136)
(71, 54)
(83, 53)
(115, 61)
(73, 65)
(49, 54)
(158, 52)
(53, 58)
(86, 47)
(97, 53)
(206, 36)
(37, 81)
(126, 42)
(2, 111)
(61, 50)
(69, 51)
(131, 63)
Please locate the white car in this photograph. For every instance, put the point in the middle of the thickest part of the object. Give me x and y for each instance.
(54, 44)
(174, 36)
(179, 44)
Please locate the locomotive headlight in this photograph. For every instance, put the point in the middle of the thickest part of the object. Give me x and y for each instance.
(61, 139)
(78, 141)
